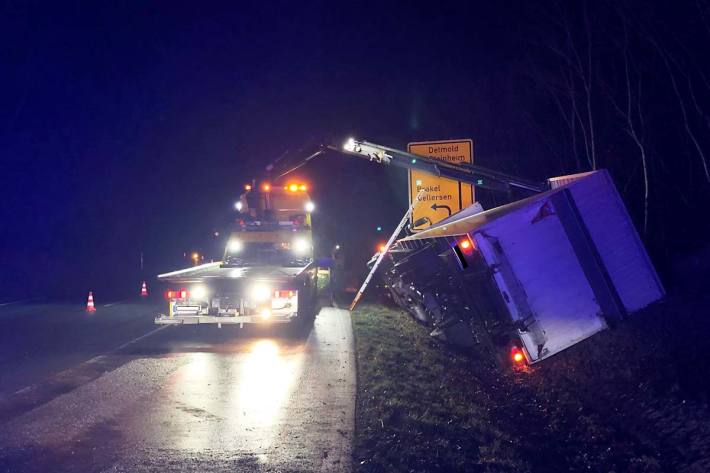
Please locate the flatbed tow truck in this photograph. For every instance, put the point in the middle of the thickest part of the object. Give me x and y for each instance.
(267, 274)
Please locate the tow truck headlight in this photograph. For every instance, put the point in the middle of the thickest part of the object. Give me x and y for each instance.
(198, 293)
(310, 206)
(265, 313)
(235, 246)
(259, 293)
(301, 246)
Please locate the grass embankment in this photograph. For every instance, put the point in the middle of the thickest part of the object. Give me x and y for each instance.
(632, 399)
(418, 407)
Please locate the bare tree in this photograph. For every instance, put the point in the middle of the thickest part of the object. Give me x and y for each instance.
(561, 91)
(676, 72)
(671, 69)
(631, 79)
(587, 82)
(573, 89)
(632, 115)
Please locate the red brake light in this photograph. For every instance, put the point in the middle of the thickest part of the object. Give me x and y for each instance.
(517, 355)
(173, 294)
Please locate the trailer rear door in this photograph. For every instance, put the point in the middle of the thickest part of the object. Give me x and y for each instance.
(541, 281)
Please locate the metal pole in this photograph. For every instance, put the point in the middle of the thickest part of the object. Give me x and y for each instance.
(394, 236)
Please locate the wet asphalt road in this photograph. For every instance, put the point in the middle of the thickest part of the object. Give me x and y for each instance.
(110, 392)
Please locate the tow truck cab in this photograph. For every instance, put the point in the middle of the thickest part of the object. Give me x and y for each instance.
(267, 272)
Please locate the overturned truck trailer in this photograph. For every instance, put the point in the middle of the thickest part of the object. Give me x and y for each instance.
(532, 277)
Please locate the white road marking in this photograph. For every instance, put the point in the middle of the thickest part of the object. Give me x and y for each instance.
(115, 303)
(15, 302)
(145, 335)
(98, 357)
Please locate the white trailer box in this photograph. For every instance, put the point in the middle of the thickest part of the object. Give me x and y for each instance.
(565, 263)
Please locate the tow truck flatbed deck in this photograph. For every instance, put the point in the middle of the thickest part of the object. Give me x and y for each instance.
(217, 271)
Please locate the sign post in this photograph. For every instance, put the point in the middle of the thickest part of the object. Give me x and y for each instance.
(442, 197)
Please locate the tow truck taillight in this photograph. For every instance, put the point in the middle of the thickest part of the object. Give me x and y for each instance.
(283, 294)
(177, 294)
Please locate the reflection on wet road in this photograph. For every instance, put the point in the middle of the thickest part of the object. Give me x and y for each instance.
(217, 396)
(267, 378)
(197, 399)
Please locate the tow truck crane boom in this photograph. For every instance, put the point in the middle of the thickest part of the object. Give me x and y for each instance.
(474, 174)
(469, 173)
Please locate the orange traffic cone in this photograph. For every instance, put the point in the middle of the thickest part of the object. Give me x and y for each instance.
(90, 303)
(144, 290)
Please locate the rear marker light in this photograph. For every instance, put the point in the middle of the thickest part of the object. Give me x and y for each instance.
(466, 244)
(464, 247)
(517, 355)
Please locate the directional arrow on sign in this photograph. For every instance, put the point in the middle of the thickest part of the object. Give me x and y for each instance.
(437, 207)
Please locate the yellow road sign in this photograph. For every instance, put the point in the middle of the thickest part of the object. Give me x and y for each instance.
(442, 197)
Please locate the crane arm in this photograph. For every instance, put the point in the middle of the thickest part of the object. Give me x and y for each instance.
(469, 173)
(473, 174)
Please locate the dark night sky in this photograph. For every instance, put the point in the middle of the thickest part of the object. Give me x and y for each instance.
(130, 127)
